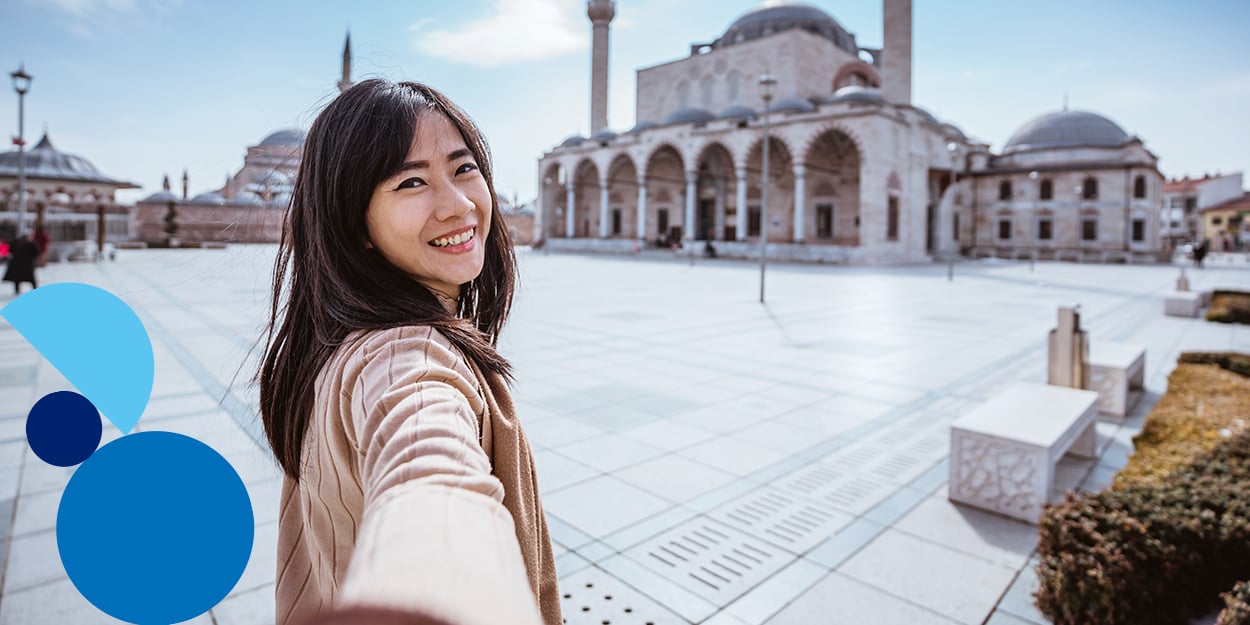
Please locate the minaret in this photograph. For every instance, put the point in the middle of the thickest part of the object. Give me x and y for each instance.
(346, 82)
(165, 183)
(185, 183)
(600, 13)
(896, 53)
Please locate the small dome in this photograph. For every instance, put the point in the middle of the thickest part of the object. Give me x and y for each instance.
(689, 116)
(603, 135)
(775, 16)
(160, 197)
(1067, 129)
(737, 111)
(927, 116)
(854, 93)
(792, 105)
(641, 126)
(573, 141)
(247, 199)
(212, 197)
(951, 130)
(46, 162)
(289, 137)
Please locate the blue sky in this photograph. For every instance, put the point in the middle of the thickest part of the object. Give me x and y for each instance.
(148, 87)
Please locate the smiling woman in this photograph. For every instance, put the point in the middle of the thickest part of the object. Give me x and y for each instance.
(382, 395)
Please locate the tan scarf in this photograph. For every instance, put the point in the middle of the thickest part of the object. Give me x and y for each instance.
(512, 462)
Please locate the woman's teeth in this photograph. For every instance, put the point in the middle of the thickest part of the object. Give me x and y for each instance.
(458, 239)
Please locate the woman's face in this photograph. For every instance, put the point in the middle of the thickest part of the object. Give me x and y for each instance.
(432, 218)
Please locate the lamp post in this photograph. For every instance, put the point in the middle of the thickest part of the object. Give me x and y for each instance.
(21, 84)
(767, 83)
(953, 149)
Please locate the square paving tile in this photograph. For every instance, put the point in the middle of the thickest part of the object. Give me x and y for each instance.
(989, 536)
(958, 586)
(733, 455)
(674, 478)
(841, 599)
(609, 452)
(602, 505)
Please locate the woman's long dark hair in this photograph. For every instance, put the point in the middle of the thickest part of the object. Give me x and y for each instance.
(334, 285)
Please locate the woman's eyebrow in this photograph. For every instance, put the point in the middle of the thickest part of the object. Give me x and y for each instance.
(455, 155)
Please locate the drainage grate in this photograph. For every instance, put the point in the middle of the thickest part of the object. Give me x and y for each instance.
(793, 523)
(711, 559)
(899, 468)
(593, 597)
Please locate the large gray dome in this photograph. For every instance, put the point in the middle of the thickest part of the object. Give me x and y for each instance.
(689, 116)
(289, 137)
(775, 16)
(45, 162)
(1067, 129)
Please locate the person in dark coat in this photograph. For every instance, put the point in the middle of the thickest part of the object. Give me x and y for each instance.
(23, 254)
(1200, 252)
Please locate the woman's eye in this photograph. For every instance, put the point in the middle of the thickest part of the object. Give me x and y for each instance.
(467, 167)
(410, 183)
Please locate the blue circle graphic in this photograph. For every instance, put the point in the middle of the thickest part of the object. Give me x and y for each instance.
(155, 528)
(63, 428)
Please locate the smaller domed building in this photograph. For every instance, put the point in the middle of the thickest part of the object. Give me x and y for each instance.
(1069, 185)
(65, 194)
(249, 208)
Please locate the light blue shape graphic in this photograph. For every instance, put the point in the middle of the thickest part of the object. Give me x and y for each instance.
(155, 528)
(95, 340)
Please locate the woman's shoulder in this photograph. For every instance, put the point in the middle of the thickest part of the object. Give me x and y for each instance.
(364, 346)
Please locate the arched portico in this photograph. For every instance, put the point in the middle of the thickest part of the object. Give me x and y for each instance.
(716, 204)
(665, 195)
(780, 210)
(622, 217)
(832, 166)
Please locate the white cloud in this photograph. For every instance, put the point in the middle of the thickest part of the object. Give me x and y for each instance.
(517, 31)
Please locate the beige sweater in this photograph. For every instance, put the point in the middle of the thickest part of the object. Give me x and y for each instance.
(415, 469)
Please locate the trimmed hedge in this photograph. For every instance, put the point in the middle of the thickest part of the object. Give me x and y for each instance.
(1229, 307)
(1154, 554)
(1236, 362)
(1205, 403)
(1237, 602)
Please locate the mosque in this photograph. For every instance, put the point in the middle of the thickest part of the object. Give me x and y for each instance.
(856, 171)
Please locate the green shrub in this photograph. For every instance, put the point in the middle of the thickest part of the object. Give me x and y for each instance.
(1149, 554)
(1236, 362)
(1237, 601)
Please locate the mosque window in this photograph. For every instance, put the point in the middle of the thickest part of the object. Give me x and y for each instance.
(1004, 190)
(824, 221)
(1004, 229)
(1047, 190)
(955, 227)
(1139, 187)
(753, 221)
(707, 88)
(1089, 189)
(1045, 230)
(1089, 229)
(661, 222)
(616, 221)
(1139, 230)
(891, 219)
(732, 84)
(683, 95)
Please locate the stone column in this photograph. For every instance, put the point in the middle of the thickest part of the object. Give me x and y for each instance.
(741, 172)
(1068, 351)
(718, 221)
(642, 209)
(603, 208)
(692, 189)
(800, 203)
(569, 210)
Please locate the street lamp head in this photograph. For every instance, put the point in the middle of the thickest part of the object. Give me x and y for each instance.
(952, 147)
(767, 83)
(1033, 175)
(21, 80)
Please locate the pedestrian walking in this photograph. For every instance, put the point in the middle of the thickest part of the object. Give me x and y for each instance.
(1200, 252)
(23, 254)
(409, 482)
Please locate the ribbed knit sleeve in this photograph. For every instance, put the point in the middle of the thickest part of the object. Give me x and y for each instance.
(398, 422)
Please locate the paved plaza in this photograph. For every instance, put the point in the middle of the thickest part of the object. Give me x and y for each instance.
(703, 458)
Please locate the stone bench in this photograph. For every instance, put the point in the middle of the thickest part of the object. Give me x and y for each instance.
(1117, 371)
(1182, 304)
(1003, 453)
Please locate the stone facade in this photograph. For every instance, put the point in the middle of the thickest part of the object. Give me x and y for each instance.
(856, 174)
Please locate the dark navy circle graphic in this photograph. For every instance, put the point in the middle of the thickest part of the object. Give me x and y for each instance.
(63, 428)
(155, 528)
